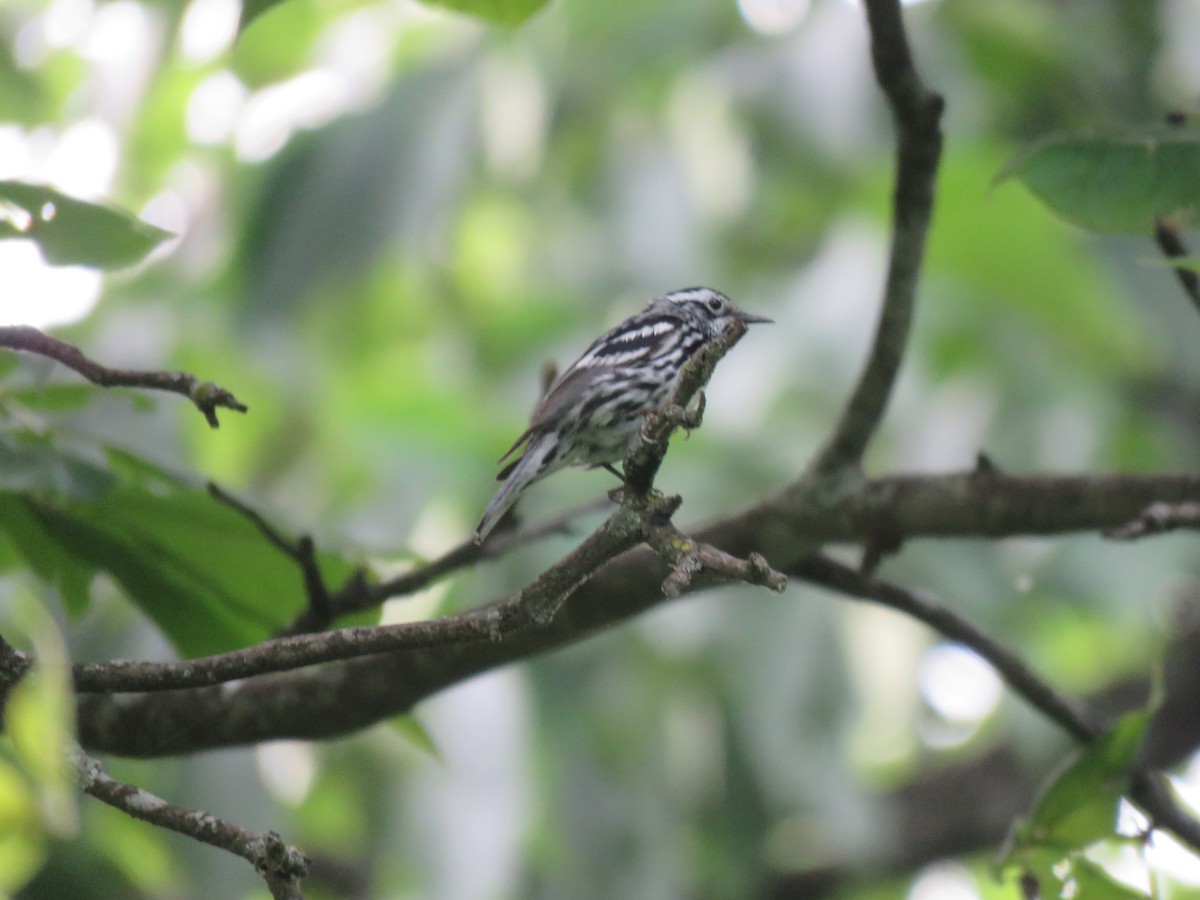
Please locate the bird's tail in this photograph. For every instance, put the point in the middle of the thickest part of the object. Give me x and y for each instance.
(535, 463)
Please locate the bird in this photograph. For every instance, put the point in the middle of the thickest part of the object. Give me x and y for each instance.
(591, 414)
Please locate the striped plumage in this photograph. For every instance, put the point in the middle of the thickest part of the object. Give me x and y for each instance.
(592, 413)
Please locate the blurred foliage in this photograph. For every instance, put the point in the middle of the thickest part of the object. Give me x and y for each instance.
(501, 12)
(389, 216)
(38, 795)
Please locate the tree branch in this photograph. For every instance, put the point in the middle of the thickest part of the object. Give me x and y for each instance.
(207, 396)
(342, 697)
(916, 112)
(281, 865)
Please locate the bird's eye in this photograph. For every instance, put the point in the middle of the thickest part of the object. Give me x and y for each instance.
(715, 304)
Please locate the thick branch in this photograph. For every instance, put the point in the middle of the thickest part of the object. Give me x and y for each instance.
(346, 696)
(916, 112)
(207, 396)
(281, 865)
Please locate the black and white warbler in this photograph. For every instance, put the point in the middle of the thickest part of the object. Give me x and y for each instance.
(592, 413)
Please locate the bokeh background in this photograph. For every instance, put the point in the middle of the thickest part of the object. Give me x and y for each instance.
(390, 216)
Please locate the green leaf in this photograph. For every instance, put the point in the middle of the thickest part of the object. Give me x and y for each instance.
(72, 232)
(413, 731)
(173, 586)
(1080, 804)
(70, 576)
(38, 718)
(198, 568)
(1073, 875)
(1114, 184)
(51, 397)
(8, 364)
(252, 9)
(1094, 883)
(498, 12)
(40, 463)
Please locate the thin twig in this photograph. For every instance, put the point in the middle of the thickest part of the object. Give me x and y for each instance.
(207, 396)
(281, 865)
(533, 604)
(688, 557)
(1166, 235)
(1153, 793)
(1158, 518)
(916, 112)
(277, 538)
(358, 595)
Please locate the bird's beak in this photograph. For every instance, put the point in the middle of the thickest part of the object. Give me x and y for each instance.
(752, 320)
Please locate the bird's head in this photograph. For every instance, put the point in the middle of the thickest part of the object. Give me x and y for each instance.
(708, 309)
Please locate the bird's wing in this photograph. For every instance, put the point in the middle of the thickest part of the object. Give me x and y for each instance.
(631, 341)
(565, 391)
